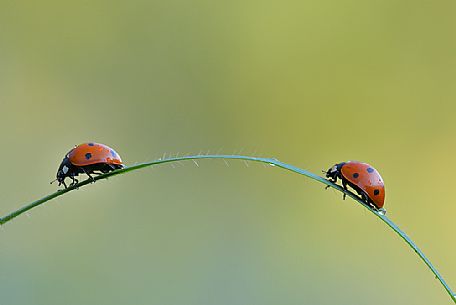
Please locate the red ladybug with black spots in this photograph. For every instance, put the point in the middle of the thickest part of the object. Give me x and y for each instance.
(88, 158)
(363, 178)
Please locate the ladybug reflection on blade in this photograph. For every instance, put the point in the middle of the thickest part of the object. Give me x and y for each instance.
(88, 158)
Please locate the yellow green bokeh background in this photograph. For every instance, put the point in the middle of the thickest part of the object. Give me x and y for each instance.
(311, 83)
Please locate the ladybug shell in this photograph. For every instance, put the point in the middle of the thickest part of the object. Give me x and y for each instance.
(93, 153)
(367, 179)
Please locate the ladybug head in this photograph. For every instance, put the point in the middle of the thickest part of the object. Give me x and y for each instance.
(64, 170)
(334, 171)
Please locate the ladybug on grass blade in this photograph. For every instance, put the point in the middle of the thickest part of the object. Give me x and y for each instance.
(363, 178)
(88, 158)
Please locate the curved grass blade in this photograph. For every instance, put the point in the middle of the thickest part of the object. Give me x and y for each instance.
(270, 161)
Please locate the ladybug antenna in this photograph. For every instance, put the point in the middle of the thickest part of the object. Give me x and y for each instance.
(324, 172)
(53, 181)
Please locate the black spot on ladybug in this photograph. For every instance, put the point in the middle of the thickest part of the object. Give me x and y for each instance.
(355, 175)
(370, 169)
(88, 156)
(113, 153)
(376, 192)
(91, 144)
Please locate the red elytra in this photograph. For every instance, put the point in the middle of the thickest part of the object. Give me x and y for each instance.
(93, 153)
(88, 158)
(363, 178)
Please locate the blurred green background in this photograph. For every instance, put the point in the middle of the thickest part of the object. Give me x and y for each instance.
(311, 83)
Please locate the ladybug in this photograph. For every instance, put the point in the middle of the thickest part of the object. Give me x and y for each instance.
(88, 158)
(363, 178)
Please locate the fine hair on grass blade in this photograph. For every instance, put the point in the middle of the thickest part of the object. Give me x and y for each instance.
(269, 161)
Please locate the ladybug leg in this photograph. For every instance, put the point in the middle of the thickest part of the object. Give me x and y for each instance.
(364, 197)
(64, 184)
(88, 174)
(114, 167)
(344, 185)
(75, 181)
(366, 200)
(332, 180)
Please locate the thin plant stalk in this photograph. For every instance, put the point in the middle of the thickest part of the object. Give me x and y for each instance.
(269, 161)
